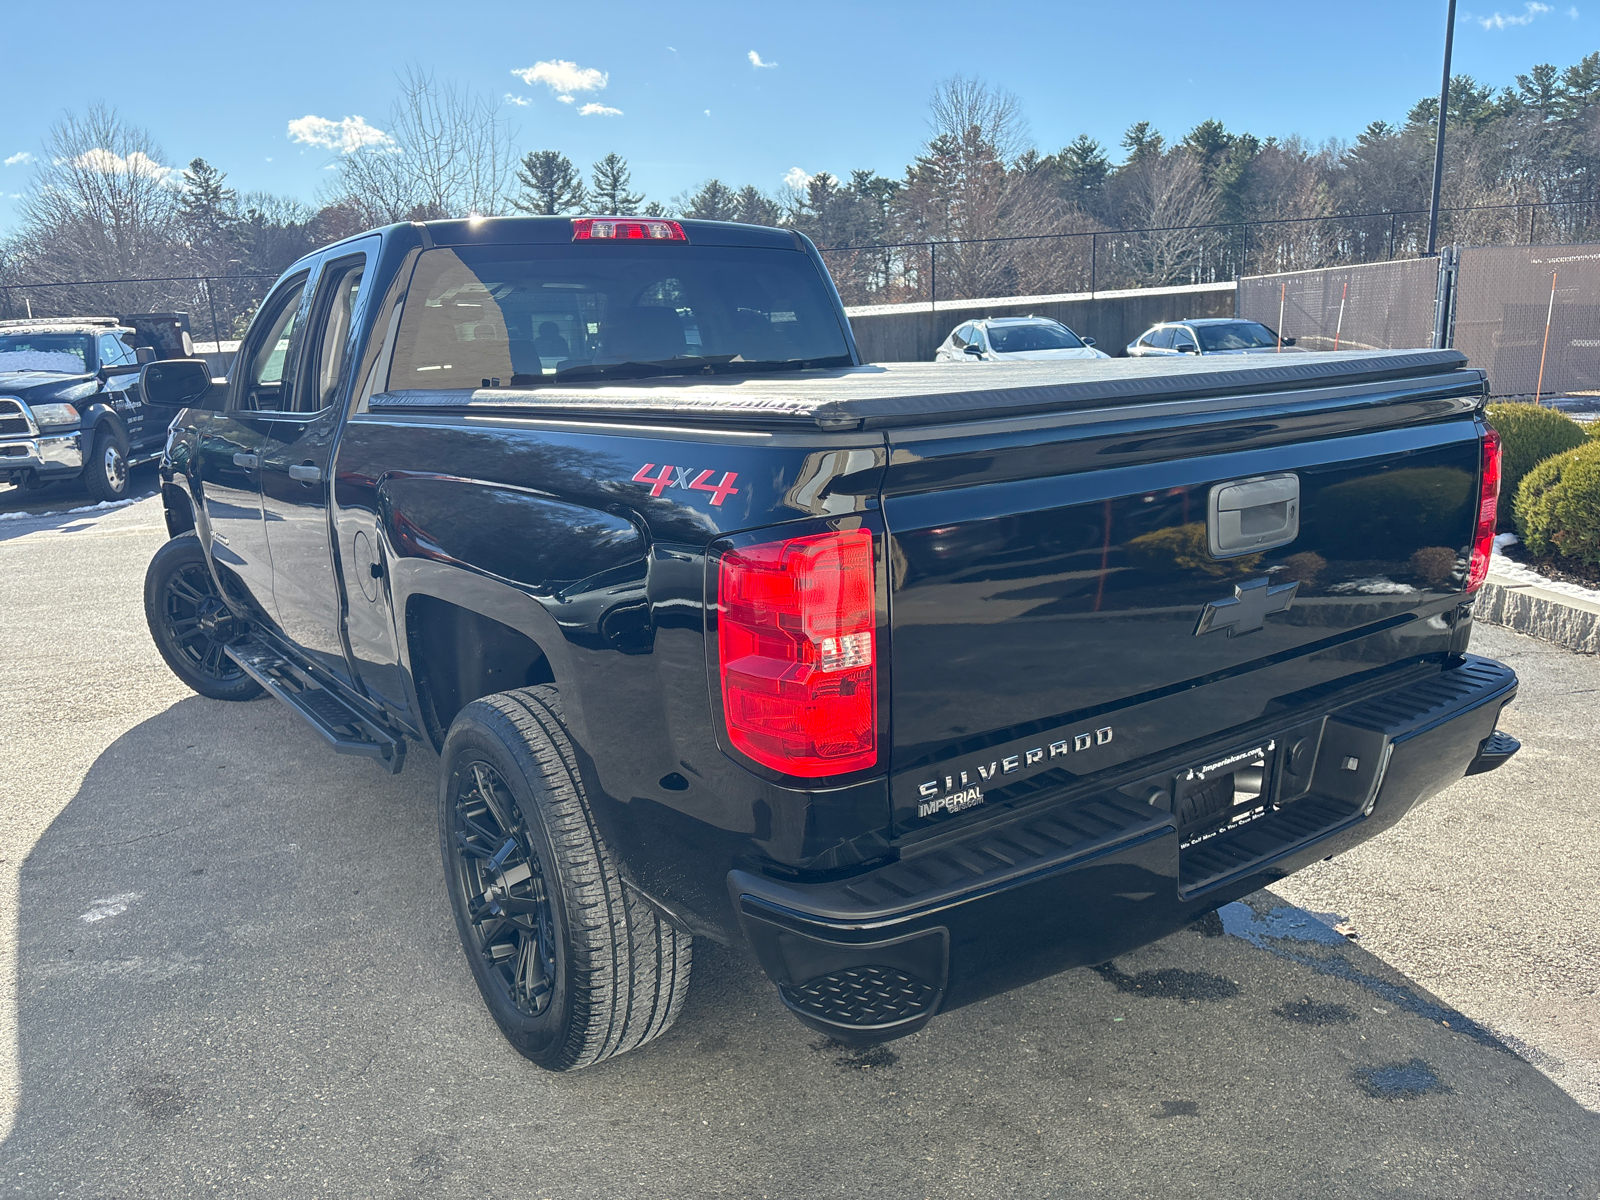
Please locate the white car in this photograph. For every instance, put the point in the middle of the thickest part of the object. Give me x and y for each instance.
(1208, 335)
(1014, 339)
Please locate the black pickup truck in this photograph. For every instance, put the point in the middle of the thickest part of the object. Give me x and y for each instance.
(919, 683)
(71, 405)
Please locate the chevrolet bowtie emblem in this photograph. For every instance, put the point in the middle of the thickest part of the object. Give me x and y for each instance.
(1248, 608)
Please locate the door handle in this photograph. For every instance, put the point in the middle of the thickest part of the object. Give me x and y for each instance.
(306, 473)
(247, 461)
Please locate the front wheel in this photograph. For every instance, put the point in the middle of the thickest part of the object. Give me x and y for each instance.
(573, 965)
(105, 474)
(191, 624)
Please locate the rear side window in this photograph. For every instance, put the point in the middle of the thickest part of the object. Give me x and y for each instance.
(1161, 339)
(492, 316)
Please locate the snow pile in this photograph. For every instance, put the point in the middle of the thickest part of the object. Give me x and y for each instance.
(104, 504)
(1514, 572)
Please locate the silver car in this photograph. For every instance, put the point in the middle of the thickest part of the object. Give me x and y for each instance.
(1014, 339)
(1208, 335)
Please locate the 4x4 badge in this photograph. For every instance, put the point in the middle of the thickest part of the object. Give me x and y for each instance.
(1248, 608)
(688, 479)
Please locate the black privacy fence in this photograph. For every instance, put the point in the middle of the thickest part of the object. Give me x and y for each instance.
(1528, 315)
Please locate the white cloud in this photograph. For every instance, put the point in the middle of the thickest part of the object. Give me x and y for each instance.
(20, 159)
(755, 61)
(797, 178)
(108, 162)
(1532, 10)
(599, 110)
(346, 136)
(563, 77)
(1573, 12)
(708, 112)
(519, 101)
(565, 99)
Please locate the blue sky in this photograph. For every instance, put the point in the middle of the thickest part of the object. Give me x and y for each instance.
(842, 85)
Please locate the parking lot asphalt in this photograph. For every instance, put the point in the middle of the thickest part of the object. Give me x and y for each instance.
(227, 968)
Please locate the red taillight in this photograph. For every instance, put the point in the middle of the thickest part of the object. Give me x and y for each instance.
(796, 633)
(1488, 512)
(623, 229)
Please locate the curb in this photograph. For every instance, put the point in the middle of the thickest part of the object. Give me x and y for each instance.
(1540, 613)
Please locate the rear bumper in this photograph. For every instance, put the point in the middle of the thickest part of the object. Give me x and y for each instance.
(48, 456)
(1079, 881)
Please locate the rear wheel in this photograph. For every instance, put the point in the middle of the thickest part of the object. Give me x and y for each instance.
(191, 624)
(574, 967)
(105, 472)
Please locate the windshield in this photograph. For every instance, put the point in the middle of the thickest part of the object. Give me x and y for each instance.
(517, 316)
(63, 353)
(1046, 335)
(1236, 335)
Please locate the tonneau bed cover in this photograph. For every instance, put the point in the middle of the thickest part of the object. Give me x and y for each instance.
(878, 395)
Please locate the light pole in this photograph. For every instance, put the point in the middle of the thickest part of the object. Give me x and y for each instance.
(1438, 145)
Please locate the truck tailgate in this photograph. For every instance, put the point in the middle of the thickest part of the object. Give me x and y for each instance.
(1051, 577)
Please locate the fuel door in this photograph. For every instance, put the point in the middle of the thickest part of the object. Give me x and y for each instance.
(1247, 516)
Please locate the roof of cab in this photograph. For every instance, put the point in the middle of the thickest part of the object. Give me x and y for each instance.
(558, 230)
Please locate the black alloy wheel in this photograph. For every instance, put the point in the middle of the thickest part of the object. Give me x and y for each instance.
(191, 623)
(572, 963)
(500, 881)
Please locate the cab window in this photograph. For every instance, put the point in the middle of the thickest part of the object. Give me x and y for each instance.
(114, 352)
(268, 356)
(335, 309)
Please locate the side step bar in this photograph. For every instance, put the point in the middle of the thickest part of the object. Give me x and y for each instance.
(345, 729)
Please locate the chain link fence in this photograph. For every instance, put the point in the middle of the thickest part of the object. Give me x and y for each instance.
(219, 306)
(1103, 260)
(1374, 306)
(1528, 315)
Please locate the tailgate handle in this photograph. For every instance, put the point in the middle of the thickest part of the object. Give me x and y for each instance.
(1250, 515)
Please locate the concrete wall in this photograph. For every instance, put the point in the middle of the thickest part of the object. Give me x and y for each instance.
(912, 332)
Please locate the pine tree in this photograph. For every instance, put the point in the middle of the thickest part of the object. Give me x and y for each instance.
(609, 193)
(550, 184)
(751, 207)
(1141, 141)
(1083, 166)
(206, 207)
(713, 201)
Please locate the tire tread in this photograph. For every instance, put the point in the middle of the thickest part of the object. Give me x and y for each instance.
(629, 965)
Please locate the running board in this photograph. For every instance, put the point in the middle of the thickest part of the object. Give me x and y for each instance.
(345, 729)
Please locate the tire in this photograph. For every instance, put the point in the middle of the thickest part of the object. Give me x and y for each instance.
(190, 623)
(105, 471)
(583, 969)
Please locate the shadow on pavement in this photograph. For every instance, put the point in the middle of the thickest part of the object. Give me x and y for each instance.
(238, 976)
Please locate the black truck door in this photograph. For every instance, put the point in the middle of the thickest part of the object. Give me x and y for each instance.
(296, 470)
(231, 442)
(126, 400)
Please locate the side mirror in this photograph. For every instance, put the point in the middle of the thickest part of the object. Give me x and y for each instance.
(180, 383)
(1088, 341)
(978, 350)
(1288, 341)
(144, 354)
(1185, 348)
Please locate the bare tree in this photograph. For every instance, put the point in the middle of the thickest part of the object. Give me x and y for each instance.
(1167, 196)
(448, 154)
(102, 204)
